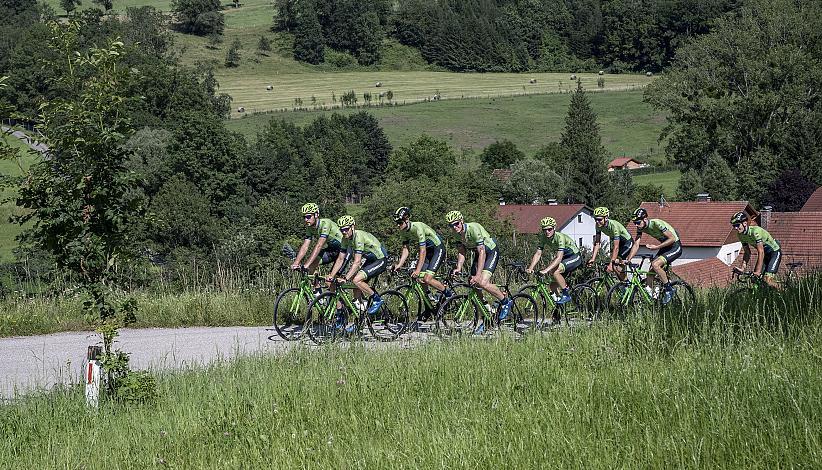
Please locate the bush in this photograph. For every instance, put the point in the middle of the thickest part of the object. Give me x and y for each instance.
(201, 17)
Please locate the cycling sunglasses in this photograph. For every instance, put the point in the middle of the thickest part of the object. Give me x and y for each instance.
(599, 219)
(737, 225)
(345, 229)
(455, 224)
(308, 216)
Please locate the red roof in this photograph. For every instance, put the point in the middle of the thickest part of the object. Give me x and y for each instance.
(814, 203)
(710, 272)
(698, 223)
(621, 161)
(525, 218)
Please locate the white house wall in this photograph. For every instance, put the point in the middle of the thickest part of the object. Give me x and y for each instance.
(689, 254)
(584, 230)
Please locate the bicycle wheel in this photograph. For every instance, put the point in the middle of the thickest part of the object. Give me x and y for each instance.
(533, 291)
(391, 320)
(457, 315)
(413, 300)
(621, 301)
(290, 314)
(583, 304)
(324, 323)
(524, 315)
(683, 297)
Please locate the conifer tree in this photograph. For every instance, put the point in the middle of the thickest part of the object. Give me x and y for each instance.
(309, 45)
(589, 183)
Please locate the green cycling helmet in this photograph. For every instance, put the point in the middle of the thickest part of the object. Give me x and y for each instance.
(453, 216)
(345, 221)
(548, 222)
(310, 208)
(601, 212)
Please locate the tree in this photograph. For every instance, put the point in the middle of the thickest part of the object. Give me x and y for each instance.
(70, 5)
(501, 155)
(106, 4)
(232, 56)
(182, 217)
(790, 191)
(309, 45)
(201, 17)
(746, 92)
(425, 156)
(718, 180)
(689, 186)
(533, 180)
(581, 141)
(145, 27)
(263, 45)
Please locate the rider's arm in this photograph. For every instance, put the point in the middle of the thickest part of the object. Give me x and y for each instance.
(355, 266)
(460, 257)
(597, 240)
(317, 248)
(760, 257)
(535, 259)
(555, 262)
(480, 258)
(635, 248)
(420, 258)
(669, 240)
(403, 256)
(302, 251)
(337, 265)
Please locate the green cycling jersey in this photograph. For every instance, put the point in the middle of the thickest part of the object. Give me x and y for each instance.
(615, 229)
(365, 244)
(754, 235)
(421, 233)
(475, 235)
(559, 242)
(325, 228)
(656, 229)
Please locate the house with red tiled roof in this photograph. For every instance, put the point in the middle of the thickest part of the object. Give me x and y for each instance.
(574, 220)
(501, 174)
(814, 203)
(625, 163)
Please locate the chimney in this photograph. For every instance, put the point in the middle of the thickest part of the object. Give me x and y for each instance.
(765, 216)
(552, 202)
(703, 197)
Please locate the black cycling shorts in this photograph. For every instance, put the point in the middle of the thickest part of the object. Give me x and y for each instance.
(771, 263)
(625, 248)
(434, 256)
(374, 268)
(329, 254)
(670, 253)
(491, 259)
(570, 262)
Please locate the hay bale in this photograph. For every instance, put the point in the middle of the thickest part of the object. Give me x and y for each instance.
(382, 94)
(573, 76)
(532, 81)
(241, 109)
(269, 87)
(648, 74)
(602, 72)
(378, 84)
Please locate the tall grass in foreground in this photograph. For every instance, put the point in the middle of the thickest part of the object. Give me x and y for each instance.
(584, 398)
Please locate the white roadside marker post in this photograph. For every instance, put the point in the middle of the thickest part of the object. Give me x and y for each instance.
(92, 376)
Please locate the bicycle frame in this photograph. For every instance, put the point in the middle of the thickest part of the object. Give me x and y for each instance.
(341, 295)
(636, 282)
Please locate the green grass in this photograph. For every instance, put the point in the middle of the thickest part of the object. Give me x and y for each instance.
(8, 230)
(627, 125)
(570, 400)
(669, 180)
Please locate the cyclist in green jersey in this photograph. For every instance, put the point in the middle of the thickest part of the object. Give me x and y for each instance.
(621, 241)
(768, 251)
(329, 240)
(431, 249)
(368, 260)
(486, 254)
(669, 249)
(567, 257)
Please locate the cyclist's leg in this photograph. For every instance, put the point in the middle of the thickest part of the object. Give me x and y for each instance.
(433, 261)
(664, 258)
(770, 267)
(624, 251)
(491, 259)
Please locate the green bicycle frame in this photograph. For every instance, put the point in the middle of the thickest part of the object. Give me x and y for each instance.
(330, 310)
(635, 284)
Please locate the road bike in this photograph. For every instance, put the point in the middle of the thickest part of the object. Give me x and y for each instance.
(291, 306)
(335, 314)
(583, 304)
(628, 297)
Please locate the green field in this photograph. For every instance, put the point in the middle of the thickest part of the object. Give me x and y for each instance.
(669, 180)
(627, 125)
(8, 230)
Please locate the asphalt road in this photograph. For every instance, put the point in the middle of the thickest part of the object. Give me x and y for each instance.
(31, 362)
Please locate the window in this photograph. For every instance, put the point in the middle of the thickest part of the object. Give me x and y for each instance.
(579, 218)
(728, 258)
(580, 241)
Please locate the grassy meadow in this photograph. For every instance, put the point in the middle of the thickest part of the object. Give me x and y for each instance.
(9, 231)
(593, 398)
(669, 180)
(628, 126)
